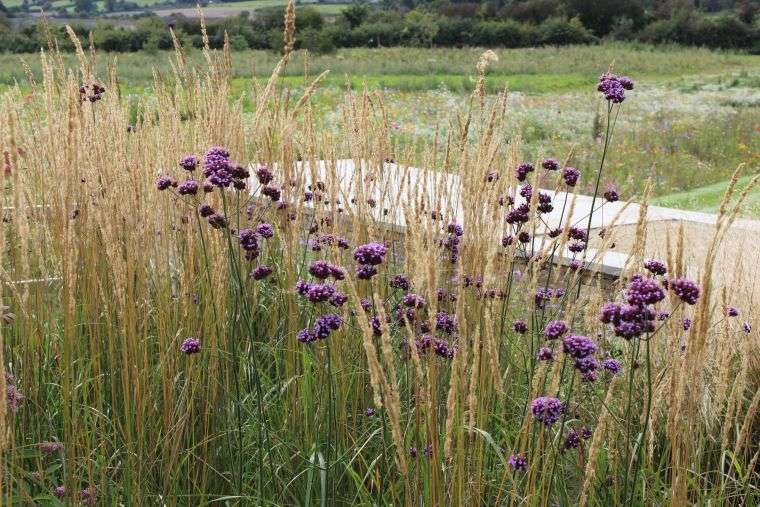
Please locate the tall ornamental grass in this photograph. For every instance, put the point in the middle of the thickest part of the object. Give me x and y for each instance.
(193, 312)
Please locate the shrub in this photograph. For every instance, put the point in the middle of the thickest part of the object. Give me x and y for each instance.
(560, 31)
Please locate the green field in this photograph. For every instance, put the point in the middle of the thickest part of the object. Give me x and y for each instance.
(694, 116)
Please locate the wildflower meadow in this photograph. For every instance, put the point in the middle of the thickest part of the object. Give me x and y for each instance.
(200, 308)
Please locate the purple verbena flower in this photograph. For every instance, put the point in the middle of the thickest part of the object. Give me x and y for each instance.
(545, 354)
(370, 253)
(520, 326)
(399, 282)
(571, 175)
(188, 162)
(191, 345)
(655, 266)
(547, 410)
(518, 462)
(522, 170)
(365, 272)
(164, 182)
(261, 272)
(687, 290)
(578, 346)
(265, 230)
(555, 329)
(612, 365)
(550, 164)
(611, 194)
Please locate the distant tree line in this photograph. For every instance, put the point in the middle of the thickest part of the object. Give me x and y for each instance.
(500, 23)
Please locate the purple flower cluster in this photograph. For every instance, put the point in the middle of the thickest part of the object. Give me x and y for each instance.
(555, 329)
(550, 164)
(545, 354)
(613, 87)
(523, 170)
(13, 397)
(520, 326)
(323, 327)
(413, 300)
(315, 292)
(655, 266)
(571, 175)
(547, 410)
(518, 462)
(322, 269)
(261, 272)
(370, 253)
(612, 365)
(400, 282)
(189, 162)
(611, 194)
(191, 345)
(644, 291)
(94, 94)
(445, 322)
(578, 346)
(687, 290)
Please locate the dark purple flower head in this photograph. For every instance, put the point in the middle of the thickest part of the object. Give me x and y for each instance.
(613, 87)
(261, 272)
(59, 491)
(455, 229)
(550, 164)
(587, 364)
(732, 311)
(306, 336)
(326, 324)
(320, 269)
(370, 253)
(522, 170)
(365, 272)
(544, 203)
(576, 246)
(188, 187)
(205, 210)
(265, 230)
(247, 238)
(217, 221)
(263, 174)
(272, 192)
(527, 191)
(518, 462)
(317, 292)
(216, 159)
(547, 410)
(578, 346)
(571, 175)
(572, 439)
(188, 162)
(747, 327)
(519, 215)
(413, 300)
(164, 182)
(686, 324)
(443, 349)
(413, 452)
(369, 412)
(626, 82)
(612, 365)
(555, 329)
(687, 290)
(191, 345)
(520, 326)
(399, 282)
(445, 322)
(611, 194)
(545, 354)
(644, 291)
(338, 298)
(576, 233)
(655, 266)
(523, 237)
(239, 172)
(506, 241)
(366, 304)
